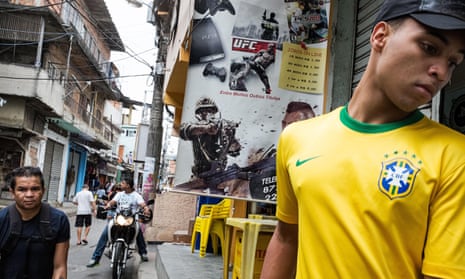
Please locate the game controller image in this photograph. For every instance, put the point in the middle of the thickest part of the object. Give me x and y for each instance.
(212, 70)
(214, 6)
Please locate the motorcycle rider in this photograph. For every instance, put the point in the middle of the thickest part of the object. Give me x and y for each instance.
(128, 196)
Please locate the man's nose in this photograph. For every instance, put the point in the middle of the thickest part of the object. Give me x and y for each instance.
(441, 70)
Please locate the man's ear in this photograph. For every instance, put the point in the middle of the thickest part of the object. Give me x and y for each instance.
(379, 35)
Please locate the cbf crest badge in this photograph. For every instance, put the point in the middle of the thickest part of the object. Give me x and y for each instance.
(397, 177)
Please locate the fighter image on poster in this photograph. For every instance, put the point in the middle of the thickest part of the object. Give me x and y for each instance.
(258, 63)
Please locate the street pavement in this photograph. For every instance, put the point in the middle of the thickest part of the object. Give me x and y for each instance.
(79, 255)
(166, 260)
(175, 261)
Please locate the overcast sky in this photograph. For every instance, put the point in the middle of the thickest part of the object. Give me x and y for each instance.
(138, 38)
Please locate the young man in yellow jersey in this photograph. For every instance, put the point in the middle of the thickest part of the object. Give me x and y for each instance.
(379, 192)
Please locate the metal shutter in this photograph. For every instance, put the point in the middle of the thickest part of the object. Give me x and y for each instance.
(52, 169)
(55, 172)
(47, 165)
(367, 12)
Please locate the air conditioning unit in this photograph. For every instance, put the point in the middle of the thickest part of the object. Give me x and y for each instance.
(162, 6)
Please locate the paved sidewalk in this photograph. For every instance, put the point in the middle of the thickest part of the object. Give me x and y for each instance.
(176, 261)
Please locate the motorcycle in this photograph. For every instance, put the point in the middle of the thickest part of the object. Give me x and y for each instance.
(122, 234)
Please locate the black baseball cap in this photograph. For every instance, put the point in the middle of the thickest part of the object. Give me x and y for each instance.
(438, 14)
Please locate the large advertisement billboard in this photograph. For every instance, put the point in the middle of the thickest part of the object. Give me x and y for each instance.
(255, 67)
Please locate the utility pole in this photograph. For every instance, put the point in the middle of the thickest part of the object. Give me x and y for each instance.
(155, 135)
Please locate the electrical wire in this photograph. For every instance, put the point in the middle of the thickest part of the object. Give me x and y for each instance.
(34, 43)
(29, 8)
(51, 79)
(107, 35)
(90, 19)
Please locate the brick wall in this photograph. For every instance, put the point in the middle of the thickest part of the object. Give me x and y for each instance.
(171, 213)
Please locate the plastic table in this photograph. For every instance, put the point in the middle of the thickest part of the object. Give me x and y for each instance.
(251, 229)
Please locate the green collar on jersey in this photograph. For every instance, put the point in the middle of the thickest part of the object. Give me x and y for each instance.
(377, 128)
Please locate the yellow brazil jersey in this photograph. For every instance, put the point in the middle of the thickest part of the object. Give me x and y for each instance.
(374, 201)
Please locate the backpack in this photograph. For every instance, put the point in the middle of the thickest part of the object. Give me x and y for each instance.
(16, 228)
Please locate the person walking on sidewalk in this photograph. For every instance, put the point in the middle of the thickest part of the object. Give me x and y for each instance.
(127, 197)
(375, 189)
(85, 208)
(34, 237)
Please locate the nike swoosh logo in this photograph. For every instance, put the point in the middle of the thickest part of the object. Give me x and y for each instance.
(299, 162)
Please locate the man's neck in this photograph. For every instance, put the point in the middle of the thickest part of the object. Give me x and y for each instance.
(28, 214)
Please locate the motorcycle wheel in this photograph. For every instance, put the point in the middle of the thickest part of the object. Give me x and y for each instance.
(118, 261)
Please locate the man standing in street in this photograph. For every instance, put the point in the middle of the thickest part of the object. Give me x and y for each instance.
(376, 189)
(70, 176)
(85, 207)
(34, 237)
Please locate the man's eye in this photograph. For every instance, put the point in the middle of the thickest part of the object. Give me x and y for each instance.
(33, 189)
(429, 49)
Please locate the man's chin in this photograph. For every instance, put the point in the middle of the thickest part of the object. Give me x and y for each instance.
(30, 205)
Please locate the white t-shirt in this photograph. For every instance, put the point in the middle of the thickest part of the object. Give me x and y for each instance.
(132, 200)
(84, 201)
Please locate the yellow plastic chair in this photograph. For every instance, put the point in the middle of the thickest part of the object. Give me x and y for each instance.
(210, 223)
(260, 216)
(217, 234)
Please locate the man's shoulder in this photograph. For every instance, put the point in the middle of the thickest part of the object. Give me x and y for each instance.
(4, 220)
(55, 212)
(135, 193)
(442, 133)
(59, 221)
(135, 196)
(3, 213)
(83, 193)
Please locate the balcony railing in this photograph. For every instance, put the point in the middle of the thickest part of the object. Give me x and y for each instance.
(73, 18)
(85, 116)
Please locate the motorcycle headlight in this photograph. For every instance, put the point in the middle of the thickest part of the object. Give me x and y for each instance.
(124, 221)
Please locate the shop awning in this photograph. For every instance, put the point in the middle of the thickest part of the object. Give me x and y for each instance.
(109, 170)
(89, 149)
(63, 124)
